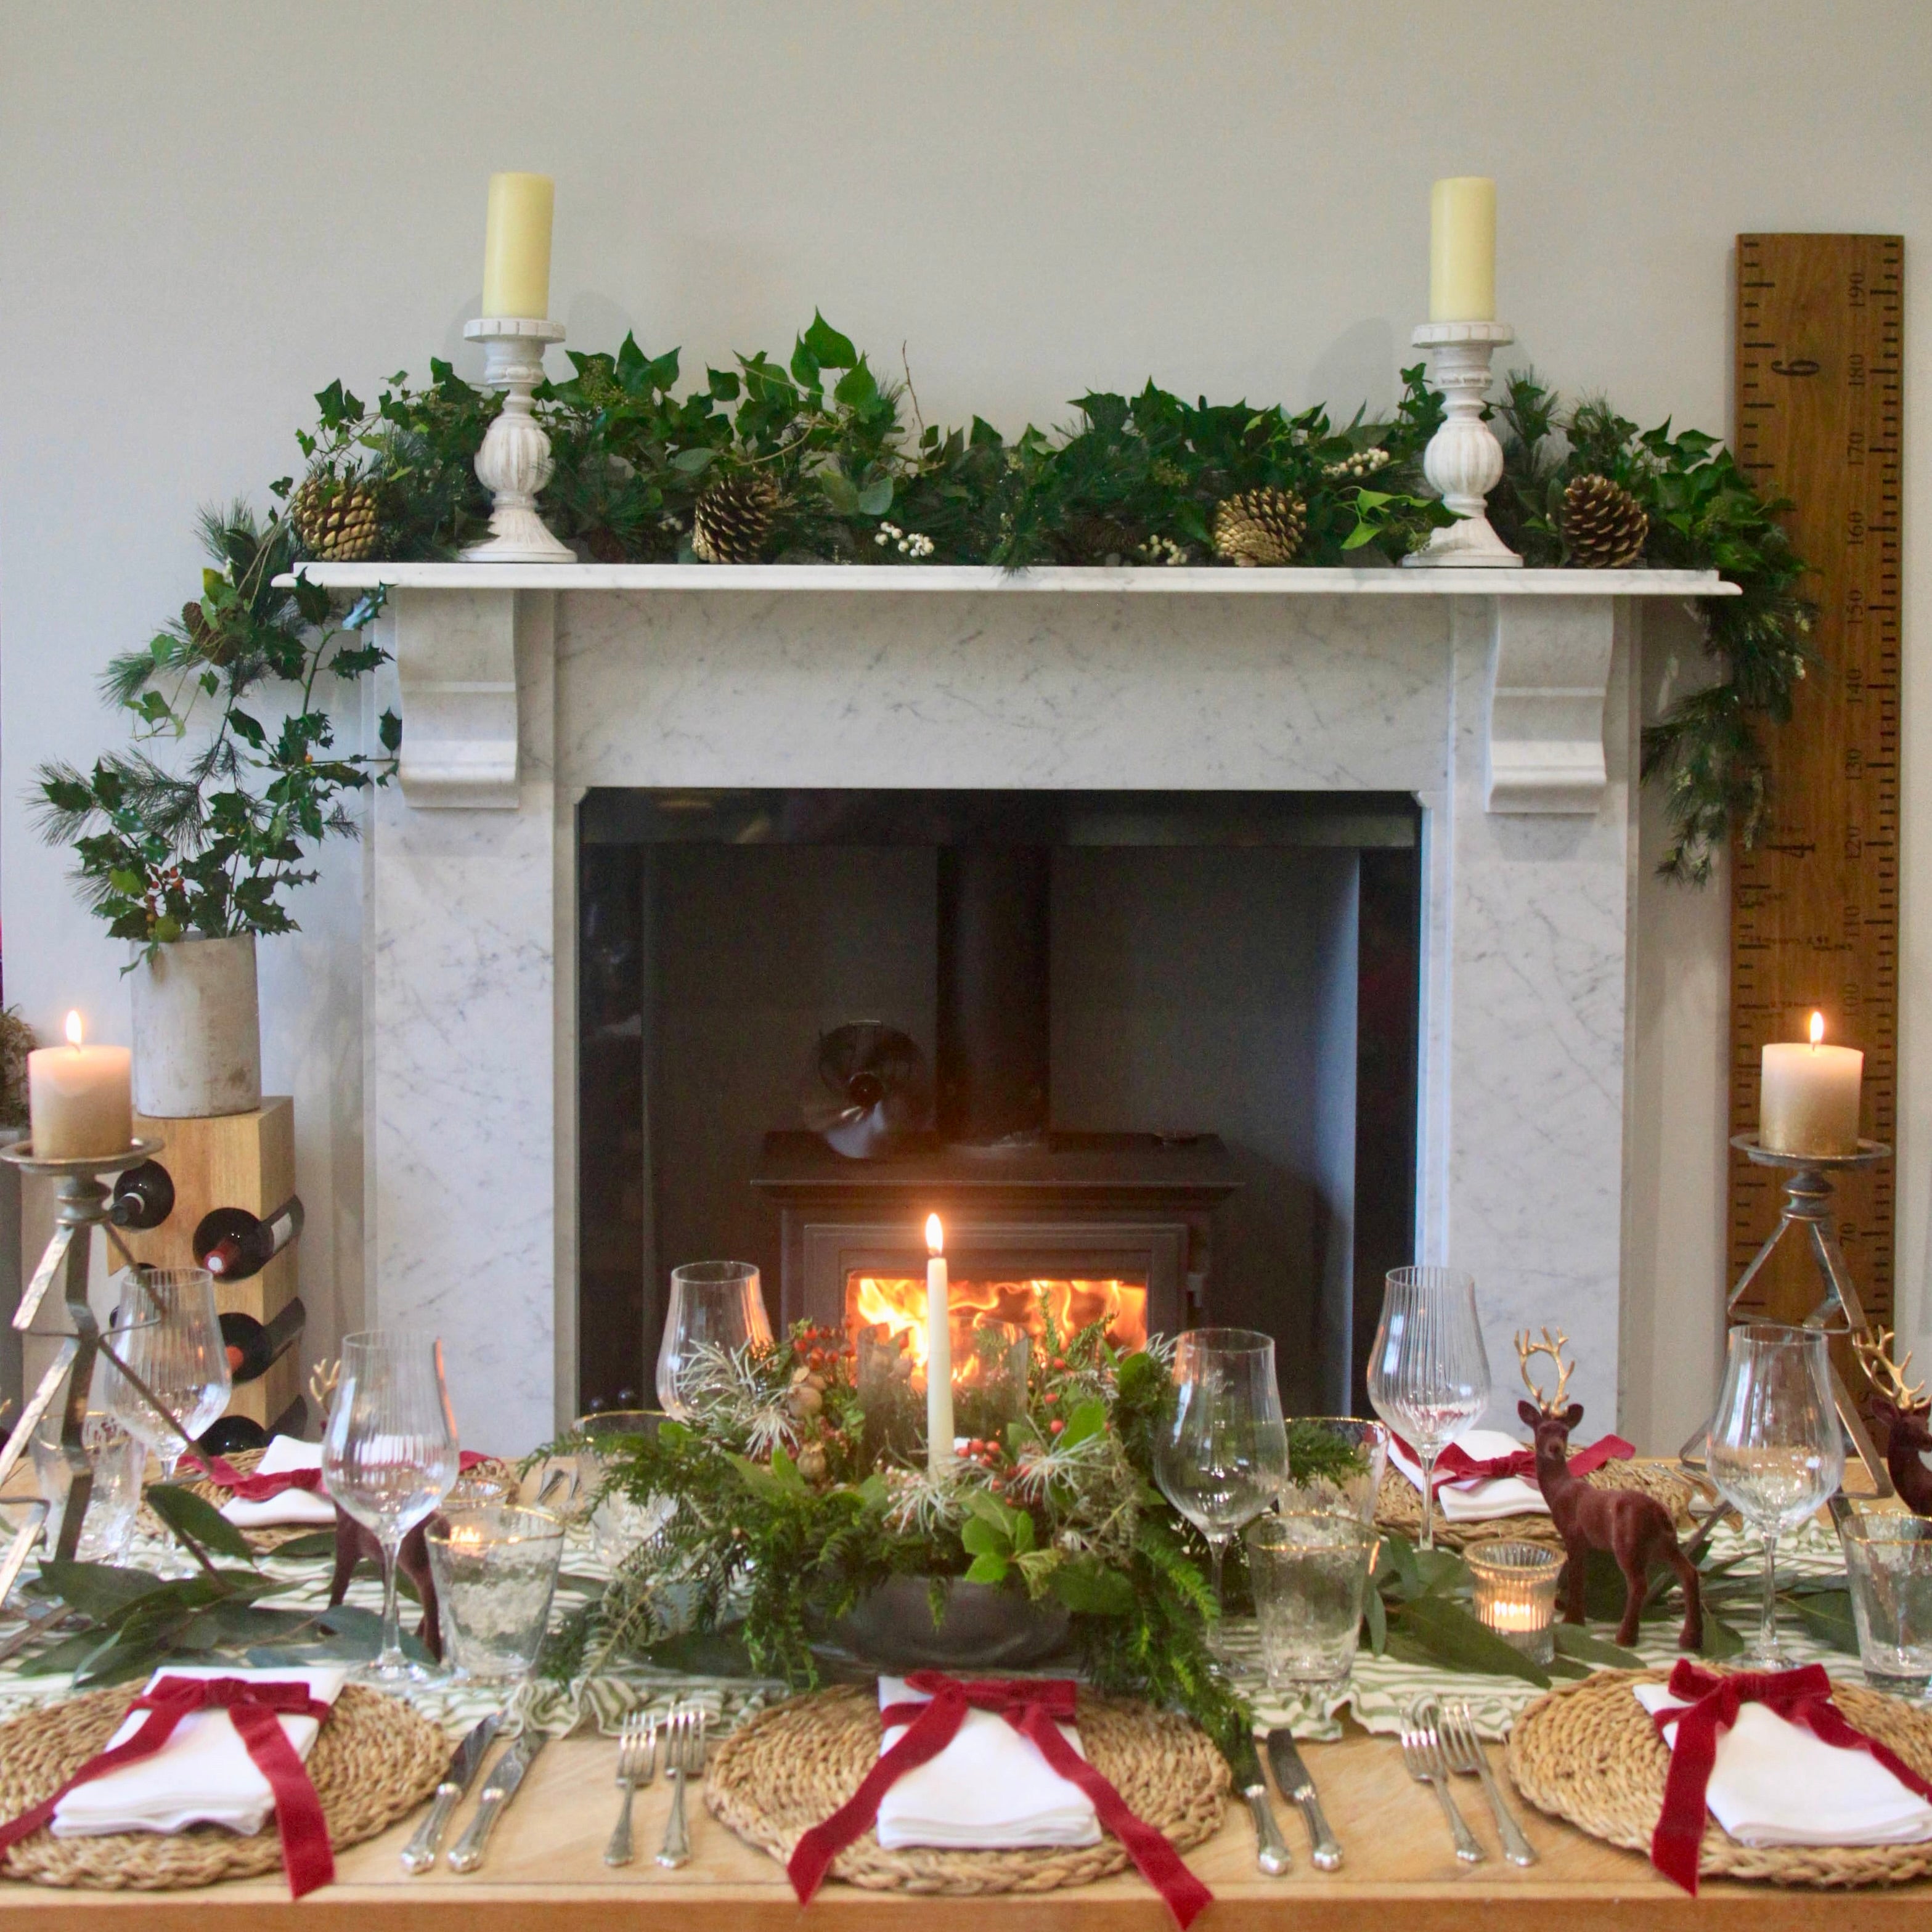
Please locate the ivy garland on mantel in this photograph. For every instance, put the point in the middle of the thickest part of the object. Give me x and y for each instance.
(815, 459)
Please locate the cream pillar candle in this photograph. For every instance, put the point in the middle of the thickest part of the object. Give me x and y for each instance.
(516, 246)
(79, 1098)
(1807, 1100)
(1462, 249)
(938, 1352)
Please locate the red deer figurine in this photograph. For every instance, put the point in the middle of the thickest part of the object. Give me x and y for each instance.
(1636, 1528)
(1902, 1410)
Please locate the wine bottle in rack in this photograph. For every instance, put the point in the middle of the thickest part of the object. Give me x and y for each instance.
(144, 1196)
(230, 1435)
(233, 1244)
(252, 1345)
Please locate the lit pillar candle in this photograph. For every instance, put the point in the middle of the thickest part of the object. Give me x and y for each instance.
(938, 1352)
(516, 245)
(1807, 1095)
(1462, 249)
(79, 1098)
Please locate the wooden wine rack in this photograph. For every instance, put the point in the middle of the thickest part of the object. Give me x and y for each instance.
(1814, 905)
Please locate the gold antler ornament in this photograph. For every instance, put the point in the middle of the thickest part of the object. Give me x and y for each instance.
(322, 1380)
(1527, 1350)
(1888, 1377)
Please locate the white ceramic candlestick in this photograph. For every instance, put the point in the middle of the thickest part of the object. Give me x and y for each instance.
(514, 462)
(938, 1355)
(1464, 461)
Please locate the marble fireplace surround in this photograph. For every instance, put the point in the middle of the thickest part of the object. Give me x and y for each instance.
(1503, 700)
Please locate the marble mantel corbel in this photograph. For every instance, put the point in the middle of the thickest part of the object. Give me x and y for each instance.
(1503, 700)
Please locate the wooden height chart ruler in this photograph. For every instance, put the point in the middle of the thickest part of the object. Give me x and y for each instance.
(1814, 907)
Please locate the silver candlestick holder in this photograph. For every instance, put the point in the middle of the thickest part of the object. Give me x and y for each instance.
(82, 1203)
(1808, 1212)
(514, 462)
(1464, 461)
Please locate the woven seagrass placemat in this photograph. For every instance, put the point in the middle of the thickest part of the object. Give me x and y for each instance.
(272, 1537)
(1588, 1753)
(1399, 1504)
(794, 1764)
(373, 1762)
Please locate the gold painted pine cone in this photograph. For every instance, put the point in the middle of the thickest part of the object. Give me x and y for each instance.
(1262, 526)
(1603, 524)
(335, 517)
(733, 517)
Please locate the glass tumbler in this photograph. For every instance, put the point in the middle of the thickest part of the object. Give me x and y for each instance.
(495, 1571)
(716, 1308)
(118, 1461)
(1335, 1466)
(1310, 1572)
(1888, 1562)
(618, 1523)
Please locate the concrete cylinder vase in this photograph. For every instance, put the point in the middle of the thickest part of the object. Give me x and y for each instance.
(197, 1029)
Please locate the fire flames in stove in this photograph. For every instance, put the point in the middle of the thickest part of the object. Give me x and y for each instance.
(897, 1303)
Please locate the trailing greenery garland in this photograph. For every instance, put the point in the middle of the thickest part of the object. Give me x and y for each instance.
(813, 459)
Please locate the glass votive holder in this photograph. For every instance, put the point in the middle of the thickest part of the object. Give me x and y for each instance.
(119, 1462)
(1888, 1566)
(481, 1488)
(1310, 1572)
(1515, 1591)
(618, 1523)
(495, 1570)
(893, 1400)
(989, 1380)
(1335, 1466)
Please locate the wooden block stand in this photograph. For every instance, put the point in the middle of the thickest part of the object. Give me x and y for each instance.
(233, 1160)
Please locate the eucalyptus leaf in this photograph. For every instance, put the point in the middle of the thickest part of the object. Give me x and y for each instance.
(101, 1591)
(1452, 1636)
(1573, 1640)
(196, 1519)
(1827, 1615)
(319, 1543)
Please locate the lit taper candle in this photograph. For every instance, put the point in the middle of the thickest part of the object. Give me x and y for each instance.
(1808, 1097)
(938, 1352)
(516, 246)
(1462, 249)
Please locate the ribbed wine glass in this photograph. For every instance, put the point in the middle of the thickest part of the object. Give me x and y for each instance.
(1775, 1452)
(168, 1333)
(389, 1456)
(1428, 1375)
(1221, 1457)
(714, 1305)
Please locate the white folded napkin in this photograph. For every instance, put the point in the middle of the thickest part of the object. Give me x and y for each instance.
(202, 1775)
(303, 1507)
(988, 1790)
(1776, 1784)
(1494, 1496)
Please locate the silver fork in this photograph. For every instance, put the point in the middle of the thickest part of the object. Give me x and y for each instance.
(684, 1758)
(637, 1760)
(1464, 1751)
(1422, 1754)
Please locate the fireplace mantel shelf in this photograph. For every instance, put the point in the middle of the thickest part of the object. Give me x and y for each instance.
(980, 579)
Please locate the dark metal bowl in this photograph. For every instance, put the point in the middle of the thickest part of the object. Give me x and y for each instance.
(983, 1628)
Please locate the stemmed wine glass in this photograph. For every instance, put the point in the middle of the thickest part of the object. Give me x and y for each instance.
(1428, 1375)
(1221, 1457)
(714, 1306)
(1774, 1450)
(168, 1334)
(389, 1458)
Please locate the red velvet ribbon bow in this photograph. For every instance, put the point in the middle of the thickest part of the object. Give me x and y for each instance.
(255, 1709)
(1800, 1696)
(1035, 1708)
(1454, 1464)
(261, 1489)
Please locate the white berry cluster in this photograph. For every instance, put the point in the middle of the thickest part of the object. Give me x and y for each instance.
(1364, 463)
(908, 543)
(1164, 550)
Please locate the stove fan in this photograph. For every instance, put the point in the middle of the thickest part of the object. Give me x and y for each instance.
(868, 1086)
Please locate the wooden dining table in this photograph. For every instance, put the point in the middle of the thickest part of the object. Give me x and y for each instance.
(545, 1872)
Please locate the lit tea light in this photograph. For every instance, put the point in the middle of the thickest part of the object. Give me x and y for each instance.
(1514, 1588)
(80, 1098)
(938, 1352)
(1807, 1100)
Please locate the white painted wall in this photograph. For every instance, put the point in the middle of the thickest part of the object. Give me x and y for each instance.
(207, 209)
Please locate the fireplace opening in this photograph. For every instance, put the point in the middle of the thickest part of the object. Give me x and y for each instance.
(1153, 1057)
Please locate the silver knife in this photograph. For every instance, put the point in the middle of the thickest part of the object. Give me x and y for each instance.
(1291, 1774)
(466, 1854)
(1271, 1852)
(419, 1854)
